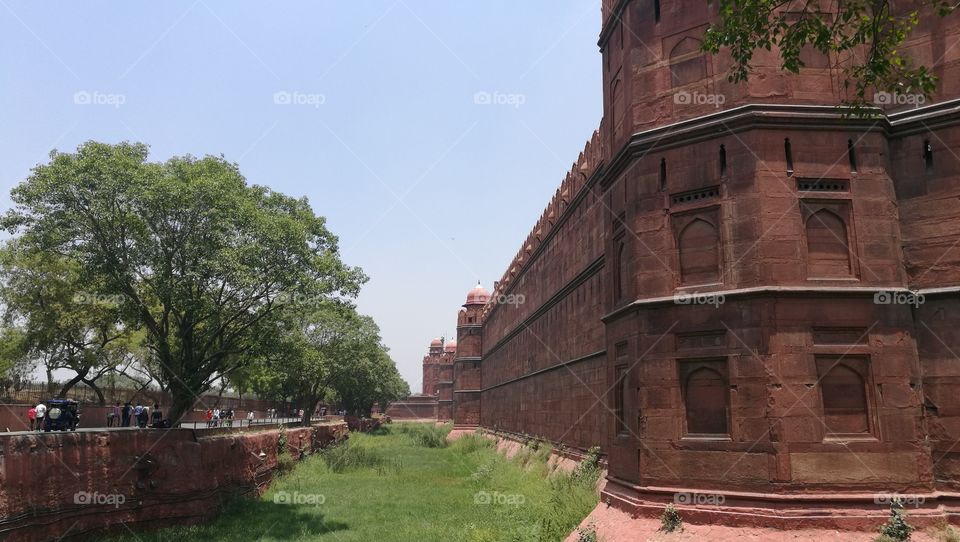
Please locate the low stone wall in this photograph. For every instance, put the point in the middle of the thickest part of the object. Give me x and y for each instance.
(70, 485)
(414, 407)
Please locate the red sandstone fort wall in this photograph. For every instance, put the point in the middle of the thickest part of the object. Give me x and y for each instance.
(800, 217)
(542, 368)
(646, 62)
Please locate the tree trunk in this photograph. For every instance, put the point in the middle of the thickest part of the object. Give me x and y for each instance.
(311, 405)
(96, 389)
(181, 405)
(71, 383)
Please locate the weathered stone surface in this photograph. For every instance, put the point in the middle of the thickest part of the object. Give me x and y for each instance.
(56, 484)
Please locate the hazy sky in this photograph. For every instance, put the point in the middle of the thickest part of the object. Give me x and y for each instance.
(368, 108)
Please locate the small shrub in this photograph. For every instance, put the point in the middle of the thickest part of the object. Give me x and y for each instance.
(484, 472)
(349, 456)
(587, 534)
(949, 534)
(670, 519)
(281, 440)
(468, 444)
(588, 470)
(427, 436)
(286, 462)
(896, 528)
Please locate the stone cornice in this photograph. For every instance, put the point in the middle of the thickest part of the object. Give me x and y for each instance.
(777, 116)
(773, 291)
(548, 369)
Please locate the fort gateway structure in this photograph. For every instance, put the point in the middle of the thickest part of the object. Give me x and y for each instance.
(737, 290)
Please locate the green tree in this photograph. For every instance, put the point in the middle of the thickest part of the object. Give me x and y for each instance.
(15, 362)
(322, 350)
(199, 259)
(67, 321)
(865, 36)
(372, 379)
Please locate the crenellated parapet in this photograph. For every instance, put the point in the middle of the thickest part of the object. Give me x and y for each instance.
(575, 180)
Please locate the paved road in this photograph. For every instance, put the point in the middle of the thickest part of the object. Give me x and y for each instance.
(188, 425)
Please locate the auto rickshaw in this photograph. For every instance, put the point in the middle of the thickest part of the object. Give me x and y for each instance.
(62, 415)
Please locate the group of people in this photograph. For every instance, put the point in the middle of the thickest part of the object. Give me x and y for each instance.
(117, 416)
(140, 415)
(219, 418)
(35, 416)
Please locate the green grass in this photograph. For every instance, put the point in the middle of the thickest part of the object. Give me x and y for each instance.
(397, 485)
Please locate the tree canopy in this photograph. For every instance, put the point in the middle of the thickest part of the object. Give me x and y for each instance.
(202, 271)
(865, 38)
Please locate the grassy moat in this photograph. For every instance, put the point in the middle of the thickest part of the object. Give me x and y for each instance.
(405, 483)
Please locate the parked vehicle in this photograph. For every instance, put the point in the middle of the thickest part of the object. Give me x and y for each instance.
(62, 415)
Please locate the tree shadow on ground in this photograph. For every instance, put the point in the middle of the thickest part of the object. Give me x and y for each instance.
(287, 520)
(242, 519)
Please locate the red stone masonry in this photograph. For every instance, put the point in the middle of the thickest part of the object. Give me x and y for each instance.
(80, 484)
(436, 399)
(738, 289)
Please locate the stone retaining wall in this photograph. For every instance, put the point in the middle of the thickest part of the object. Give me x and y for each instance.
(70, 485)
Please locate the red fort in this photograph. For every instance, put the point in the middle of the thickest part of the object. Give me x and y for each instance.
(737, 289)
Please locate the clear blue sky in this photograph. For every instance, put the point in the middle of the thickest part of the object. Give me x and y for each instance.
(427, 190)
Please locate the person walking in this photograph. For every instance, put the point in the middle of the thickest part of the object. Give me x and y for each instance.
(250, 418)
(216, 417)
(32, 416)
(137, 413)
(125, 415)
(117, 412)
(40, 411)
(156, 417)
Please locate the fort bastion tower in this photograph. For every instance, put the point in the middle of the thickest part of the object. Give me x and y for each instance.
(738, 291)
